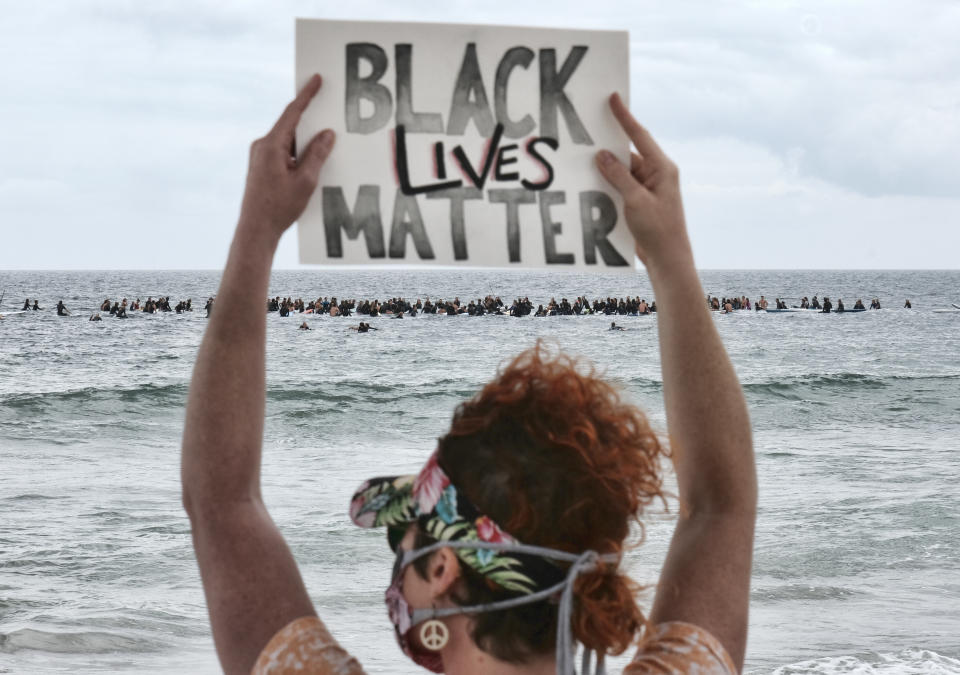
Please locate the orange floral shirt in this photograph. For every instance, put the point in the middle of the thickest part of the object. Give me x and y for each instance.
(305, 647)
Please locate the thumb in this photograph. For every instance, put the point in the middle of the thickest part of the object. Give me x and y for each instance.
(315, 154)
(620, 177)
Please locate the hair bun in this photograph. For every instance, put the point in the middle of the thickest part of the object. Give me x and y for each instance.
(605, 612)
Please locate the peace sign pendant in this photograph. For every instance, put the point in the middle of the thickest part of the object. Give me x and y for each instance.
(434, 635)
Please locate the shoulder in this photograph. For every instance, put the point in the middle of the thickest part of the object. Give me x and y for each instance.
(678, 647)
(305, 646)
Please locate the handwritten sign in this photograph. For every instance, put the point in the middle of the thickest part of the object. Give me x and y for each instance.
(464, 145)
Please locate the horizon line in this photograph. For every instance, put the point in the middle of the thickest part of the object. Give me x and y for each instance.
(445, 268)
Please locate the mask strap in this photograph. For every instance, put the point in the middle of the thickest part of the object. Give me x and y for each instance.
(584, 562)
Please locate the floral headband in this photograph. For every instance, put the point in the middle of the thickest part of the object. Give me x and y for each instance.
(445, 513)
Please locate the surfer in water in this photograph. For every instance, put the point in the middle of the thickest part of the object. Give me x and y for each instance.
(492, 572)
(26, 305)
(62, 309)
(304, 326)
(907, 304)
(614, 326)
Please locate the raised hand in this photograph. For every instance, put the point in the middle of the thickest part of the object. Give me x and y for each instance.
(651, 193)
(279, 185)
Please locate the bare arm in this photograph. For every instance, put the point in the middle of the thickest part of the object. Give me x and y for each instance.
(250, 579)
(706, 576)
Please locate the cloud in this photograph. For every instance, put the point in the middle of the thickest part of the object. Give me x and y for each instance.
(129, 122)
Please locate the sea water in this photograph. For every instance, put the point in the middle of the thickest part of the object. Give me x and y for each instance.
(856, 423)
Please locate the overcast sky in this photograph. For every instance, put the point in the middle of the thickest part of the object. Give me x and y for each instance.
(808, 134)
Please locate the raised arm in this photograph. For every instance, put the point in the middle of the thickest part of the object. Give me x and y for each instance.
(250, 579)
(706, 576)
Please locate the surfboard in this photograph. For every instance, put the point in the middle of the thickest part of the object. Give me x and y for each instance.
(19, 311)
(947, 311)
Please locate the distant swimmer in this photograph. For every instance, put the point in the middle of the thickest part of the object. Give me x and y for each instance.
(876, 303)
(859, 304)
(62, 309)
(614, 326)
(96, 317)
(840, 305)
(815, 304)
(122, 311)
(37, 307)
(763, 302)
(363, 327)
(26, 304)
(208, 307)
(304, 326)
(827, 305)
(907, 304)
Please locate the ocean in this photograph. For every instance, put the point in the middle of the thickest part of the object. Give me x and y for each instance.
(856, 423)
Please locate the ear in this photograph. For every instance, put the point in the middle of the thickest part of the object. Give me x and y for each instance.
(443, 572)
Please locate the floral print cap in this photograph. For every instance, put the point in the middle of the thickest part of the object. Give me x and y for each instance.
(444, 513)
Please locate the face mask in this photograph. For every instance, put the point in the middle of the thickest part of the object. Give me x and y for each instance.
(401, 616)
(404, 619)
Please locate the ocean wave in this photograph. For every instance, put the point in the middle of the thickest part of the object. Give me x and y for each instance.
(906, 662)
(85, 642)
(789, 592)
(155, 393)
(350, 389)
(333, 392)
(792, 387)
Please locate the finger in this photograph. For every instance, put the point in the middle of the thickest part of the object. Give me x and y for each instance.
(641, 138)
(315, 154)
(644, 172)
(287, 123)
(619, 176)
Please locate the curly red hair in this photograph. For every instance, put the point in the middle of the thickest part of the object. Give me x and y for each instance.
(550, 451)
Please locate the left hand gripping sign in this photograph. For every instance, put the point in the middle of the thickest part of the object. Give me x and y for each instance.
(464, 145)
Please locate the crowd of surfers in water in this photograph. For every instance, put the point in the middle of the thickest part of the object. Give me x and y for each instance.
(826, 306)
(397, 308)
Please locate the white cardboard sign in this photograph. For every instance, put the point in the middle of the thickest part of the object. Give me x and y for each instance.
(464, 145)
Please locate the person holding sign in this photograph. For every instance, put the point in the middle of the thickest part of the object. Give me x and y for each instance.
(508, 542)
